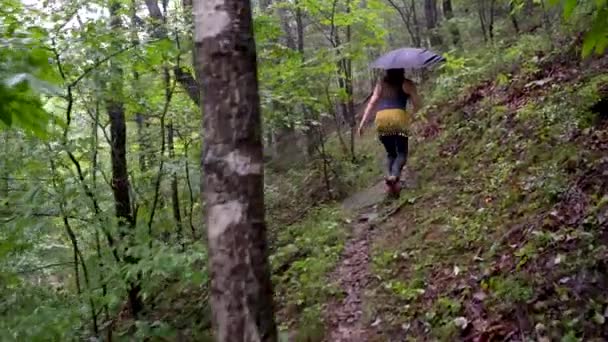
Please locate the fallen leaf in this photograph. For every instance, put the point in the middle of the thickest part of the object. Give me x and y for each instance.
(480, 296)
(461, 322)
(540, 328)
(376, 322)
(599, 318)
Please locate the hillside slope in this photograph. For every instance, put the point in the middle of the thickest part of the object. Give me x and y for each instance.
(501, 233)
(505, 236)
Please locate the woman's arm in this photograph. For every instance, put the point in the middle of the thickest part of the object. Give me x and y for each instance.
(370, 105)
(410, 88)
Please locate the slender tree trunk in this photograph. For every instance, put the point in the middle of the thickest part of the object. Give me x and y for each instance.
(547, 21)
(4, 170)
(77, 254)
(139, 117)
(299, 28)
(405, 18)
(190, 192)
(120, 176)
(430, 12)
(416, 25)
(491, 23)
(345, 83)
(326, 165)
(182, 74)
(349, 85)
(94, 157)
(264, 4)
(308, 115)
(332, 109)
(448, 13)
(481, 10)
(233, 184)
(513, 16)
(290, 42)
(174, 183)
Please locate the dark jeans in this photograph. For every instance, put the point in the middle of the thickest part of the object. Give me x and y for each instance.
(396, 152)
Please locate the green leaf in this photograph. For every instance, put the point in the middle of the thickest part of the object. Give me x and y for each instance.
(6, 118)
(569, 6)
(589, 43)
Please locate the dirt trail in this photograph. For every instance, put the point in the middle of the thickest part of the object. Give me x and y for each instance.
(344, 317)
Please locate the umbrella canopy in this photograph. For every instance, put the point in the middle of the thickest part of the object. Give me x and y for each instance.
(407, 58)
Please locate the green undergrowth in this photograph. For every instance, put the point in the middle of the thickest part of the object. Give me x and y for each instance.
(366, 170)
(503, 233)
(289, 195)
(304, 256)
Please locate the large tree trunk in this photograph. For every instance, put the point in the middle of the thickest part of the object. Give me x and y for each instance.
(233, 184)
(120, 176)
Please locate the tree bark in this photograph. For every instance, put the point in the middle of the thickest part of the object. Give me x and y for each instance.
(482, 19)
(299, 28)
(182, 75)
(233, 184)
(491, 23)
(430, 12)
(290, 42)
(513, 16)
(264, 4)
(415, 23)
(120, 176)
(344, 79)
(190, 191)
(448, 13)
(140, 118)
(348, 66)
(174, 184)
(4, 170)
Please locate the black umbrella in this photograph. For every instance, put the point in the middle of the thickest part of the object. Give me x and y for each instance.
(407, 58)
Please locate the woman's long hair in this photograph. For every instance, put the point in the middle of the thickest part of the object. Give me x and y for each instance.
(393, 83)
(394, 77)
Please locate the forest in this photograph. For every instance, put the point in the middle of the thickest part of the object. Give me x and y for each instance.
(191, 171)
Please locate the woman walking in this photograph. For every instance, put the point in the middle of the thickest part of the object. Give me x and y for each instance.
(390, 98)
